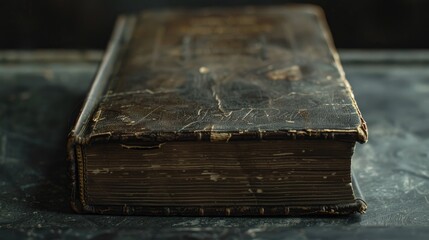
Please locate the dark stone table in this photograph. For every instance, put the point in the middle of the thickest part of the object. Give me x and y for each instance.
(41, 94)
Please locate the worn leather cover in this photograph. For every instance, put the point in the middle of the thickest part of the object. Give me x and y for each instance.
(236, 74)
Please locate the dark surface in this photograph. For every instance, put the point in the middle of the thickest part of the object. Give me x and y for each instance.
(86, 24)
(39, 101)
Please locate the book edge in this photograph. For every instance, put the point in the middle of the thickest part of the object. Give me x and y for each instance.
(362, 129)
(227, 211)
(120, 36)
(357, 193)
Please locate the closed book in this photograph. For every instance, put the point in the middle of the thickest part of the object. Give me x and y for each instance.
(218, 112)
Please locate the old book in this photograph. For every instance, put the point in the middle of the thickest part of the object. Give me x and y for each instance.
(229, 111)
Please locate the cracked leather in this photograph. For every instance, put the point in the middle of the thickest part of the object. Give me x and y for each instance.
(224, 73)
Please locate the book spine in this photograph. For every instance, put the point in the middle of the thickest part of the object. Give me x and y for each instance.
(121, 36)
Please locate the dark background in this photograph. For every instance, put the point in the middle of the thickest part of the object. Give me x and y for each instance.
(86, 24)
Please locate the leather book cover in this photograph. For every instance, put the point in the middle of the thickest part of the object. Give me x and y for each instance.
(191, 110)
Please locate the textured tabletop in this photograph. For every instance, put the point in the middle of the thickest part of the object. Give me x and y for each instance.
(40, 96)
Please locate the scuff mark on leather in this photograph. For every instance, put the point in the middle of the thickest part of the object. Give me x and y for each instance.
(292, 73)
(219, 103)
(157, 146)
(220, 137)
